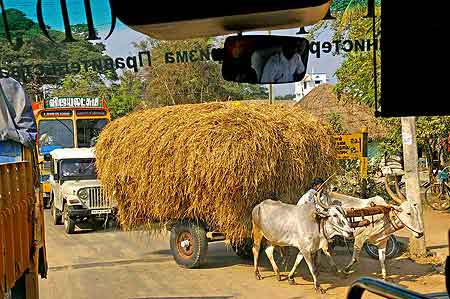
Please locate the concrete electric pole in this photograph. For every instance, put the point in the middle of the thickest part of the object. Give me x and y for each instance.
(416, 246)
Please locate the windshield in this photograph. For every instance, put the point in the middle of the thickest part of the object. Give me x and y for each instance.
(88, 130)
(78, 168)
(55, 134)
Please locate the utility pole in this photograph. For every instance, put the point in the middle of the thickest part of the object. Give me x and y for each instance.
(416, 246)
(271, 97)
(271, 100)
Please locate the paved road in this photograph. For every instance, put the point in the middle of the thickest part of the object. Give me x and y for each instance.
(114, 264)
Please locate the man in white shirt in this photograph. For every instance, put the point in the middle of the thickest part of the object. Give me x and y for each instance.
(310, 195)
(285, 66)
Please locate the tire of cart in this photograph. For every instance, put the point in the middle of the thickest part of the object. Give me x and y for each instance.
(392, 248)
(189, 244)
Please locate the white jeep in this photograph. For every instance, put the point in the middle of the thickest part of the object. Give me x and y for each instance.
(76, 196)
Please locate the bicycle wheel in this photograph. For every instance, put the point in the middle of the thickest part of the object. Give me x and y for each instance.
(392, 248)
(438, 197)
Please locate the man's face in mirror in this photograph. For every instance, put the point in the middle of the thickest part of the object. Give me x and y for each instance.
(290, 49)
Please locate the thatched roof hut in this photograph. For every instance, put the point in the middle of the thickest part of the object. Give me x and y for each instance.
(213, 162)
(322, 101)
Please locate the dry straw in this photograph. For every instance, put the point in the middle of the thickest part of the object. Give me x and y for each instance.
(212, 162)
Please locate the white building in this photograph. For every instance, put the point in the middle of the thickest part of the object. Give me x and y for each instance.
(310, 81)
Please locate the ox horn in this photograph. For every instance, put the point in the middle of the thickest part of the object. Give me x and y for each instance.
(319, 202)
(396, 198)
(319, 193)
(323, 184)
(397, 189)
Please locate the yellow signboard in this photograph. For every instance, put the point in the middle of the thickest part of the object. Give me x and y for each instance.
(363, 161)
(349, 146)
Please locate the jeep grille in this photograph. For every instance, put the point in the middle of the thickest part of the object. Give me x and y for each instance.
(96, 198)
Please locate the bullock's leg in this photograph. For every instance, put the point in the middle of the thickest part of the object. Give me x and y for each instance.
(382, 257)
(316, 259)
(331, 261)
(297, 262)
(257, 238)
(312, 269)
(356, 251)
(269, 252)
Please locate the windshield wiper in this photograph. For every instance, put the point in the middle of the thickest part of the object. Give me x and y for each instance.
(82, 170)
(67, 127)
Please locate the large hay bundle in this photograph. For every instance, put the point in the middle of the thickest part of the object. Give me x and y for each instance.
(212, 162)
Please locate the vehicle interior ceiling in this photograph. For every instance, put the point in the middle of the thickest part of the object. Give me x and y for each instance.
(232, 17)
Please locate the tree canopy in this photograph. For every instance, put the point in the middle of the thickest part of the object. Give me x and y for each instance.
(37, 49)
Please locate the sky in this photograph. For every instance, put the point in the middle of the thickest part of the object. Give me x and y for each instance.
(120, 42)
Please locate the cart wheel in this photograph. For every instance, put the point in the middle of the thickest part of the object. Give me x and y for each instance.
(392, 248)
(189, 244)
(69, 224)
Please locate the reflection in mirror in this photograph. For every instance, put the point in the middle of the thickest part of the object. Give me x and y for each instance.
(264, 59)
(43, 140)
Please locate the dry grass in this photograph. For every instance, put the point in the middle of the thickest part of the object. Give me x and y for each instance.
(322, 101)
(212, 162)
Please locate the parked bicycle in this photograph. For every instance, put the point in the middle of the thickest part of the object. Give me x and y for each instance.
(437, 194)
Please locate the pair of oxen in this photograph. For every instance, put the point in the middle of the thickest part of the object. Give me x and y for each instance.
(310, 229)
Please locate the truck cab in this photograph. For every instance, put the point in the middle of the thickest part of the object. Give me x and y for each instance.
(77, 198)
(22, 229)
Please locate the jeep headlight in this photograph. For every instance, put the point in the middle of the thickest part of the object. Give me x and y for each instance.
(83, 194)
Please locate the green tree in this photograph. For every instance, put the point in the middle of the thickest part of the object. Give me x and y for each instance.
(37, 49)
(127, 95)
(356, 78)
(121, 97)
(87, 83)
(336, 122)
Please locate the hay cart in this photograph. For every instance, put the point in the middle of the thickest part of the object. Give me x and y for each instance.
(203, 167)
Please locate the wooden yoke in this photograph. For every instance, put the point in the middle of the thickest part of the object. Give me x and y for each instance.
(369, 211)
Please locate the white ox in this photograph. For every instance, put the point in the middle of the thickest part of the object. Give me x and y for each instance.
(302, 227)
(407, 215)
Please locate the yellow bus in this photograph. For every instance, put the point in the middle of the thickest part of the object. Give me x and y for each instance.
(67, 122)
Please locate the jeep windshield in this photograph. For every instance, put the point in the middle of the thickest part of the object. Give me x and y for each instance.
(78, 169)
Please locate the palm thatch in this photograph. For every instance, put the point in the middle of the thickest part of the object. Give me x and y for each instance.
(212, 162)
(322, 101)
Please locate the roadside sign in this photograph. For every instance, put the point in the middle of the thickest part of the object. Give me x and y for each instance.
(355, 147)
(349, 146)
(73, 102)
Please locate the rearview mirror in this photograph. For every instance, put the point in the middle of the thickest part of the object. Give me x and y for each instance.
(47, 157)
(265, 59)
